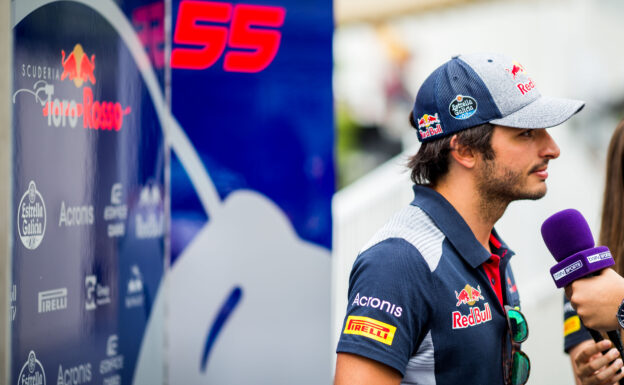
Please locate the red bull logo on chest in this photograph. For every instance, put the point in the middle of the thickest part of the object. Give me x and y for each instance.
(475, 317)
(468, 295)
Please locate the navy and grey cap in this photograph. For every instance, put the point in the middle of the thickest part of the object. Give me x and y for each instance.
(474, 89)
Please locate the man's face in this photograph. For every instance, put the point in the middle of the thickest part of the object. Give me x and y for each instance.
(518, 170)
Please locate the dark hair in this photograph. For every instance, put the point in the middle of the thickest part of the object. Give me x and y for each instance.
(431, 162)
(612, 222)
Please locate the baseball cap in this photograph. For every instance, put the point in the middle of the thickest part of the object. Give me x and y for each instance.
(479, 88)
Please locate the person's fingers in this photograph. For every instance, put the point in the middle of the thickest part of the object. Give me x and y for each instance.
(609, 375)
(589, 351)
(589, 368)
(617, 377)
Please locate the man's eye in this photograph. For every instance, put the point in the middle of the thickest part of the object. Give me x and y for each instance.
(527, 133)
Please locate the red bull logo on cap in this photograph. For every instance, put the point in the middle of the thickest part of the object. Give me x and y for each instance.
(468, 295)
(429, 125)
(517, 69)
(78, 67)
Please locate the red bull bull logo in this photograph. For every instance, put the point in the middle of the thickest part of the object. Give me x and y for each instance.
(429, 125)
(468, 295)
(516, 69)
(77, 66)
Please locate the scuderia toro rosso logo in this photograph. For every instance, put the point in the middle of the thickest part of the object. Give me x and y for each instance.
(79, 68)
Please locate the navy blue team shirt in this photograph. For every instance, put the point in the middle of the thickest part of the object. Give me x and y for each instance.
(421, 303)
(574, 332)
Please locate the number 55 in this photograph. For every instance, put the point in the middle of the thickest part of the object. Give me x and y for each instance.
(257, 47)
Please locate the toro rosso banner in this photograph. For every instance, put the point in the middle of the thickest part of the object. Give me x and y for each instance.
(251, 133)
(89, 192)
(249, 285)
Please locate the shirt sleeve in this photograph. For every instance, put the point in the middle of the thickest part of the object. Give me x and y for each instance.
(389, 306)
(574, 332)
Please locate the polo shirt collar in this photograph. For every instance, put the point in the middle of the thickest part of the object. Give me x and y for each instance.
(453, 225)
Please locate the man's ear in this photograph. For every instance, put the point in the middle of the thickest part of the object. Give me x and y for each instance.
(462, 154)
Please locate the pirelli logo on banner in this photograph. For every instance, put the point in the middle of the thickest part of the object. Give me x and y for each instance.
(371, 328)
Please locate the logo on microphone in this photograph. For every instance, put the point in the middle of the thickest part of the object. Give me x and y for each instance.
(567, 270)
(599, 257)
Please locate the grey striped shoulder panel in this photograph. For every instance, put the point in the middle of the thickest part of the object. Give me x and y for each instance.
(421, 366)
(416, 227)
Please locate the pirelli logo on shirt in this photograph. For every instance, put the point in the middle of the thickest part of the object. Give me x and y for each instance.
(371, 328)
(571, 325)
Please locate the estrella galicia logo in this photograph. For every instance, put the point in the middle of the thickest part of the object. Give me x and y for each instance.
(462, 107)
(32, 372)
(31, 217)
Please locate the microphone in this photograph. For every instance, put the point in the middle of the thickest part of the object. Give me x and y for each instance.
(569, 239)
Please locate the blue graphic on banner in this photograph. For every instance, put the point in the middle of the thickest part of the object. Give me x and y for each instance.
(258, 108)
(252, 176)
(89, 194)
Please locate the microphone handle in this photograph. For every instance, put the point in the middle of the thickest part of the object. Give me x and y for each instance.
(614, 336)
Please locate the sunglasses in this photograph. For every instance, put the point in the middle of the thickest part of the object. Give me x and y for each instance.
(518, 367)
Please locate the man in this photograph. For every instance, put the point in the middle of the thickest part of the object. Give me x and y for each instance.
(427, 295)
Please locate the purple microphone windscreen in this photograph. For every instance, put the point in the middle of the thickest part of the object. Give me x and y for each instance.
(566, 233)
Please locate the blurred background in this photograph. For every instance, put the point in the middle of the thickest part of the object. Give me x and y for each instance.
(247, 178)
(383, 51)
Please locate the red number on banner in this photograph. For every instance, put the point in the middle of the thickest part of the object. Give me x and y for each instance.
(148, 22)
(263, 43)
(210, 38)
(250, 33)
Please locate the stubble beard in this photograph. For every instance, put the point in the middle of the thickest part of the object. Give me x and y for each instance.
(499, 187)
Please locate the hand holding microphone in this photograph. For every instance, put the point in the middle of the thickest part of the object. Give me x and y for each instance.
(569, 239)
(597, 298)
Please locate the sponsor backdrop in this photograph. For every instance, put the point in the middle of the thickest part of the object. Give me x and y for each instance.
(252, 176)
(88, 192)
(249, 285)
